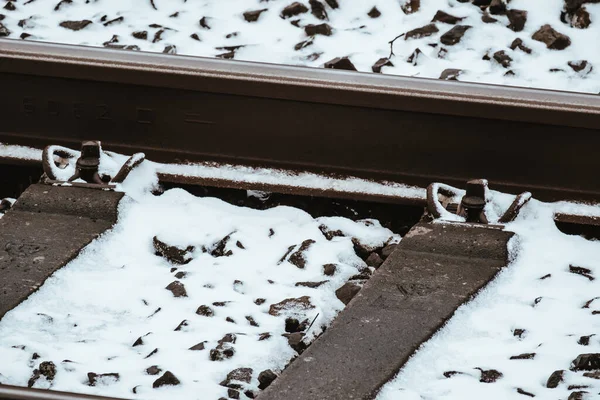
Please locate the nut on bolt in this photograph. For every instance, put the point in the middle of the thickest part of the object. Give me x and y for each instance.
(473, 202)
(88, 163)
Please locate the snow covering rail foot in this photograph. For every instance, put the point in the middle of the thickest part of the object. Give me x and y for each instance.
(435, 269)
(45, 229)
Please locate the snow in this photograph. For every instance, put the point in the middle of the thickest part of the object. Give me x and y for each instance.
(481, 333)
(92, 311)
(364, 39)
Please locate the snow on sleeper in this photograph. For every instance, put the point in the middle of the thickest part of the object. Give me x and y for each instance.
(533, 332)
(189, 298)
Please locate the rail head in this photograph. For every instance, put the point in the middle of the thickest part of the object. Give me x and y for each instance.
(299, 83)
(8, 392)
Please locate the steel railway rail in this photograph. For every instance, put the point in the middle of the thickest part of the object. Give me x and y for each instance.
(408, 130)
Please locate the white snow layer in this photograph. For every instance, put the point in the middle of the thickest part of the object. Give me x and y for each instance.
(88, 315)
(355, 34)
(536, 293)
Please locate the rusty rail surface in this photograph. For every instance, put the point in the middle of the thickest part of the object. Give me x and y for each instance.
(414, 131)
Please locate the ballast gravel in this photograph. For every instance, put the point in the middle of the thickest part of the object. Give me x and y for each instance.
(455, 39)
(188, 298)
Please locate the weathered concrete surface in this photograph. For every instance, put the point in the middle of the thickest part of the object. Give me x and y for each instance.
(44, 230)
(435, 269)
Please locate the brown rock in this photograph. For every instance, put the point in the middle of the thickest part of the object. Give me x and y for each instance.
(243, 375)
(75, 25)
(4, 31)
(502, 58)
(177, 288)
(446, 18)
(579, 395)
(251, 320)
(329, 234)
(454, 35)
(173, 254)
(337, 63)
(296, 341)
(204, 23)
(489, 376)
(298, 257)
(153, 352)
(332, 3)
(318, 9)
(321, 29)
(170, 49)
(497, 7)
(293, 9)
(205, 311)
(181, 325)
(168, 379)
(259, 301)
(553, 39)
(572, 5)
(114, 21)
(411, 6)
(46, 369)
(556, 378)
(252, 16)
(586, 362)
(143, 35)
(374, 13)
(593, 375)
(414, 60)
(423, 31)
(589, 302)
(585, 68)
(311, 285)
(488, 19)
(62, 3)
(153, 370)
(329, 269)
(517, 19)
(518, 44)
(374, 260)
(233, 394)
(382, 62)
(93, 377)
(580, 19)
(525, 393)
(198, 347)
(450, 374)
(584, 340)
(347, 292)
(265, 378)
(520, 333)
(224, 349)
(292, 304)
(10, 6)
(524, 356)
(218, 249)
(303, 44)
(450, 74)
(586, 272)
